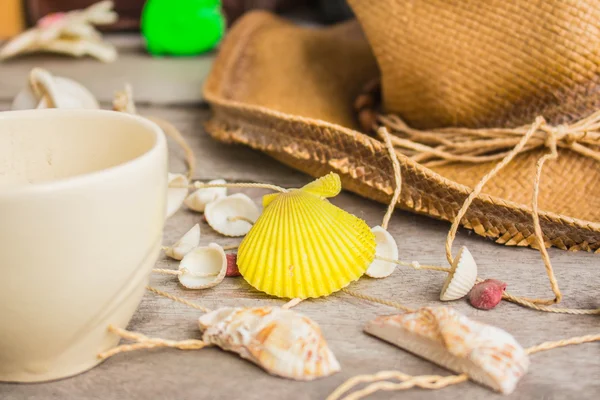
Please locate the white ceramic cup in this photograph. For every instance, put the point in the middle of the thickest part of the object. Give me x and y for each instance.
(82, 208)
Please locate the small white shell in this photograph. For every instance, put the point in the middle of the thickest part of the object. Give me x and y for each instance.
(187, 243)
(386, 248)
(198, 200)
(175, 196)
(203, 267)
(462, 278)
(230, 215)
(59, 93)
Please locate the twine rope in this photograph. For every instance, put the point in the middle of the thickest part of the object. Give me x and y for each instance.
(292, 303)
(123, 102)
(201, 185)
(385, 135)
(378, 300)
(170, 130)
(144, 342)
(184, 271)
(250, 185)
(178, 299)
(379, 381)
(226, 247)
(414, 264)
(475, 145)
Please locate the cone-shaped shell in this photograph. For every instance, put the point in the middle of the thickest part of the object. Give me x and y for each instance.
(462, 278)
(303, 246)
(198, 200)
(176, 195)
(386, 248)
(203, 267)
(230, 215)
(282, 342)
(187, 243)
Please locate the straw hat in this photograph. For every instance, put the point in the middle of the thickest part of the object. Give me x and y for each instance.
(290, 91)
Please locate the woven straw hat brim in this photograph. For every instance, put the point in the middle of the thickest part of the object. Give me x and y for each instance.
(288, 91)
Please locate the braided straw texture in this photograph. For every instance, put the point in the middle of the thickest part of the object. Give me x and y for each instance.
(289, 91)
(493, 63)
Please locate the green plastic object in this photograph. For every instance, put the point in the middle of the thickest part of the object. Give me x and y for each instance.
(182, 27)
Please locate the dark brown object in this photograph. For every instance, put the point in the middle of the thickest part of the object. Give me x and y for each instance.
(234, 9)
(129, 11)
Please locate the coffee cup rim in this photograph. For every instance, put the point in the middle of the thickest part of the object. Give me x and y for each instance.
(93, 176)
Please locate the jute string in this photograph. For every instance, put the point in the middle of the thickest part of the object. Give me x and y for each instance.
(553, 136)
(384, 134)
(183, 271)
(123, 102)
(226, 247)
(170, 130)
(537, 304)
(144, 342)
(379, 381)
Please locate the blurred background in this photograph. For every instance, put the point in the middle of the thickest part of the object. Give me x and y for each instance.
(17, 15)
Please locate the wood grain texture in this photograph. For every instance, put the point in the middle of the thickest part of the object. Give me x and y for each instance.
(213, 374)
(156, 80)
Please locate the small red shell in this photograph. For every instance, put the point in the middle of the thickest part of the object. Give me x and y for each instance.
(487, 294)
(232, 268)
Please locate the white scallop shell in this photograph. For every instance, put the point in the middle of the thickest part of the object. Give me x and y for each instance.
(462, 278)
(187, 243)
(198, 200)
(443, 336)
(221, 214)
(62, 93)
(386, 248)
(283, 342)
(203, 267)
(176, 196)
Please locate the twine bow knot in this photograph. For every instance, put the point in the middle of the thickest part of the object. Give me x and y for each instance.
(446, 145)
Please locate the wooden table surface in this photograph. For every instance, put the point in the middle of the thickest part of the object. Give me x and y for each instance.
(170, 88)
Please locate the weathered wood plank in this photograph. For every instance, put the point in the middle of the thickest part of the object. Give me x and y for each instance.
(174, 80)
(213, 374)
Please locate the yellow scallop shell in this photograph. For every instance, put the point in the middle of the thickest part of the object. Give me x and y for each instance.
(304, 246)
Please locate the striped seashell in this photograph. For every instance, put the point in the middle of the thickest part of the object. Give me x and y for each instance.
(303, 246)
(282, 342)
(462, 278)
(489, 355)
